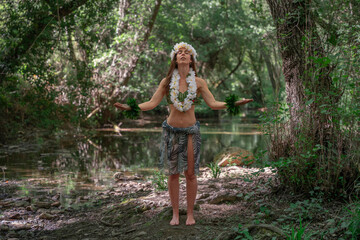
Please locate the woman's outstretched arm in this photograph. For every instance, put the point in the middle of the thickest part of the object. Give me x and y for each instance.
(210, 100)
(152, 103)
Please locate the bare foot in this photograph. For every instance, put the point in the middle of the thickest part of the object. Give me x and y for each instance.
(190, 220)
(174, 221)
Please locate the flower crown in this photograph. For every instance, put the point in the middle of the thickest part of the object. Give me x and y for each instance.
(183, 45)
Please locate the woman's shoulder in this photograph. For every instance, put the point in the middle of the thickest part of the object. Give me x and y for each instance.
(200, 81)
(162, 82)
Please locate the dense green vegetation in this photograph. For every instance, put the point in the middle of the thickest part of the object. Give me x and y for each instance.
(64, 63)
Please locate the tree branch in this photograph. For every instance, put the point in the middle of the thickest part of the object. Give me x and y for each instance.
(240, 58)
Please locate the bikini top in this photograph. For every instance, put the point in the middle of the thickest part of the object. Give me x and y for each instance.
(182, 97)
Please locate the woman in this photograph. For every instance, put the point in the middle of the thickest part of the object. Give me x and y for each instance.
(180, 147)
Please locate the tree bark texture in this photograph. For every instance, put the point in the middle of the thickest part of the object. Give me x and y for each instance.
(299, 43)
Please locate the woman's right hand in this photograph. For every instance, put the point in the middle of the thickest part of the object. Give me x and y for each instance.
(122, 106)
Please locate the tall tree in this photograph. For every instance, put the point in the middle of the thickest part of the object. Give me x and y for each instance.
(312, 136)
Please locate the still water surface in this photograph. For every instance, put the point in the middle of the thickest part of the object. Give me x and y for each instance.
(88, 162)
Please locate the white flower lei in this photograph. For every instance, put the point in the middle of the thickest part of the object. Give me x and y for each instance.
(174, 90)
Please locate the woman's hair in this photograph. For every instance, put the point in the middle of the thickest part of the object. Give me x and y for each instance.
(173, 65)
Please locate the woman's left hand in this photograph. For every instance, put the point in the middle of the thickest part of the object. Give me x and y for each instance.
(243, 101)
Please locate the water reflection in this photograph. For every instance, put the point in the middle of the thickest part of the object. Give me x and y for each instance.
(74, 163)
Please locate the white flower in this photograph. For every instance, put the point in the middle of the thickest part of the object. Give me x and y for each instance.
(183, 45)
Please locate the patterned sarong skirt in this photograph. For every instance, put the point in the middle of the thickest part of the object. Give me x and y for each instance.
(174, 144)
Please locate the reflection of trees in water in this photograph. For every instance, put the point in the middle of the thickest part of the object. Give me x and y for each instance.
(102, 153)
(133, 150)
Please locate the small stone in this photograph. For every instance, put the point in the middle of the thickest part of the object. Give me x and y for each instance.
(46, 216)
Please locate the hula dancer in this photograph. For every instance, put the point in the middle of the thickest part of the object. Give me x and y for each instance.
(180, 143)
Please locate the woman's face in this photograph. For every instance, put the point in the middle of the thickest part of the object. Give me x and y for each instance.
(183, 56)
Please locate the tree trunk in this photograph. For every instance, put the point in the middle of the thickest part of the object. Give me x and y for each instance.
(310, 137)
(294, 24)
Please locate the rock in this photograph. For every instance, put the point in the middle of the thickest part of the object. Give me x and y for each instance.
(234, 156)
(223, 198)
(43, 204)
(46, 216)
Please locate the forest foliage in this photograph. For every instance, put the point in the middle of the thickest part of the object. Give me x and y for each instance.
(64, 63)
(73, 57)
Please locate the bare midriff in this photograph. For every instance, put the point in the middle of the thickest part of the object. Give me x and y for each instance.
(181, 119)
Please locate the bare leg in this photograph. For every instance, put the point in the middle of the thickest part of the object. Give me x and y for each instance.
(173, 185)
(191, 183)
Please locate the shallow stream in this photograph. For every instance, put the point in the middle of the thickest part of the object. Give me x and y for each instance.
(68, 163)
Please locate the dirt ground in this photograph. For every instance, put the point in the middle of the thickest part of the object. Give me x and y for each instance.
(244, 203)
